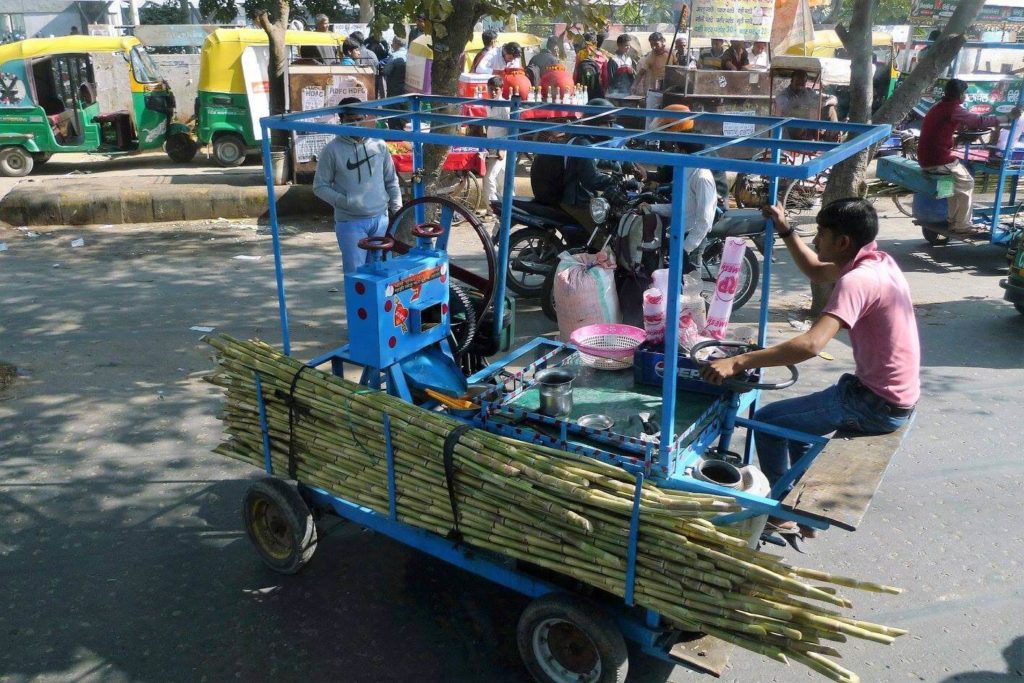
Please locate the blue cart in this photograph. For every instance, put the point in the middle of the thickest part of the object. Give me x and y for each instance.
(400, 313)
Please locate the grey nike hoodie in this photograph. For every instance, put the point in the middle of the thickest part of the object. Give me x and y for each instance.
(357, 177)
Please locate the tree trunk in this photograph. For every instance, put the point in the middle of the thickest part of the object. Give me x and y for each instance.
(278, 61)
(365, 11)
(847, 178)
(449, 35)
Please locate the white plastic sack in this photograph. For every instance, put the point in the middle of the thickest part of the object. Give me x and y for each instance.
(585, 291)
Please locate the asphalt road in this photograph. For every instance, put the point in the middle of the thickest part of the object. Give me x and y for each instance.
(122, 556)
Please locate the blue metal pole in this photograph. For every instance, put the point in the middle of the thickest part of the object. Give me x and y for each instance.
(997, 208)
(282, 306)
(268, 464)
(677, 233)
(766, 284)
(634, 535)
(417, 159)
(504, 226)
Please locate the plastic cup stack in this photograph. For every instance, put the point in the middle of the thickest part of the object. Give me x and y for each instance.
(654, 315)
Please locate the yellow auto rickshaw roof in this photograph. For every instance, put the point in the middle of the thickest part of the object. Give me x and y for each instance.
(40, 47)
(220, 66)
(826, 42)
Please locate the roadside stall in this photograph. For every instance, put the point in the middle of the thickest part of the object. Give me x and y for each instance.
(83, 94)
(636, 523)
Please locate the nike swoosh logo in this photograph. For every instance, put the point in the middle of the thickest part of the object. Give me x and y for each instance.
(364, 160)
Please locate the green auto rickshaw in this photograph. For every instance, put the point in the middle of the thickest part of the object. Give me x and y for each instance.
(234, 86)
(70, 94)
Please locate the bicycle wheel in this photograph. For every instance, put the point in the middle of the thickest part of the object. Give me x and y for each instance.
(903, 204)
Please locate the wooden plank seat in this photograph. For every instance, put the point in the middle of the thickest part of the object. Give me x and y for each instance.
(842, 480)
(907, 173)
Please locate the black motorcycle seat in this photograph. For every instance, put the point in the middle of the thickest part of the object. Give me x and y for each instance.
(739, 223)
(542, 210)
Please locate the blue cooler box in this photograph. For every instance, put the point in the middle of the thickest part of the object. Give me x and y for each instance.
(930, 210)
(649, 368)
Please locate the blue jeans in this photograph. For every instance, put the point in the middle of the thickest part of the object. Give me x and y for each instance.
(848, 405)
(350, 232)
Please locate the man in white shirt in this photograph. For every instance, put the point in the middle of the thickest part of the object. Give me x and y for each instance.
(758, 56)
(484, 61)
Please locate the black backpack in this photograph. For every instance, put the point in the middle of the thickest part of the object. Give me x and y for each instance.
(547, 179)
(588, 74)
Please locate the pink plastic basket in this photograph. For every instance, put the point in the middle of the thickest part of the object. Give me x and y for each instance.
(607, 346)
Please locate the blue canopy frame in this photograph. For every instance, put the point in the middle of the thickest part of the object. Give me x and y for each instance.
(434, 117)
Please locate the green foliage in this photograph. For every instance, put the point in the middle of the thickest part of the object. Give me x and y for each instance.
(886, 12)
(219, 11)
(170, 12)
(642, 12)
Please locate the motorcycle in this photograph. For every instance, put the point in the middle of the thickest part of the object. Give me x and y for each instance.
(648, 255)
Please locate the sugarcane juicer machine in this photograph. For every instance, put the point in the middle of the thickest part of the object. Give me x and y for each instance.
(399, 317)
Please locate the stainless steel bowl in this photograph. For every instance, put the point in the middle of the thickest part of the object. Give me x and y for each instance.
(596, 421)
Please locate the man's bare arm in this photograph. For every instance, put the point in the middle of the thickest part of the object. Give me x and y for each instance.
(816, 270)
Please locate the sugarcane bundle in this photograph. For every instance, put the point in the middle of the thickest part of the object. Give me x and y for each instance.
(565, 512)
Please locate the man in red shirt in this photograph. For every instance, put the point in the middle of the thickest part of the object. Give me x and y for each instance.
(872, 301)
(935, 149)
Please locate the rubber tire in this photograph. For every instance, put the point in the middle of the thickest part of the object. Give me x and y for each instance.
(523, 235)
(750, 264)
(235, 147)
(934, 238)
(15, 162)
(291, 510)
(181, 148)
(40, 158)
(1020, 308)
(599, 628)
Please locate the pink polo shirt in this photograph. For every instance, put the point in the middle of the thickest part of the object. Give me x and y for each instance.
(872, 299)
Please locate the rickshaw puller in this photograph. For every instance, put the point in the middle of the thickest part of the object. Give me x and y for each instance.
(872, 300)
(935, 148)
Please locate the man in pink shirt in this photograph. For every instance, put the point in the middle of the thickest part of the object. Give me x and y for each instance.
(872, 300)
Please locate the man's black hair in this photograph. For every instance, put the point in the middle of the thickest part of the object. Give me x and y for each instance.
(513, 49)
(489, 36)
(955, 89)
(655, 37)
(589, 37)
(357, 36)
(623, 39)
(853, 217)
(348, 46)
(496, 82)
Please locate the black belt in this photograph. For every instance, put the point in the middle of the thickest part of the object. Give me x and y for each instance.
(896, 411)
(891, 408)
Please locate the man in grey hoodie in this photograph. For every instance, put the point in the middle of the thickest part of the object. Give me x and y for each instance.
(357, 177)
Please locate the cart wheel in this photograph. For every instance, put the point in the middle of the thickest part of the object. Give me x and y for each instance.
(935, 239)
(229, 150)
(567, 639)
(15, 162)
(279, 524)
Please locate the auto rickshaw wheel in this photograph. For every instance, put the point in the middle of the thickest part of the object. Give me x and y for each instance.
(936, 239)
(279, 524)
(15, 162)
(181, 148)
(229, 150)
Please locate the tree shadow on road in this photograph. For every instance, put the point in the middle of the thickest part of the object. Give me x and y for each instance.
(1014, 656)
